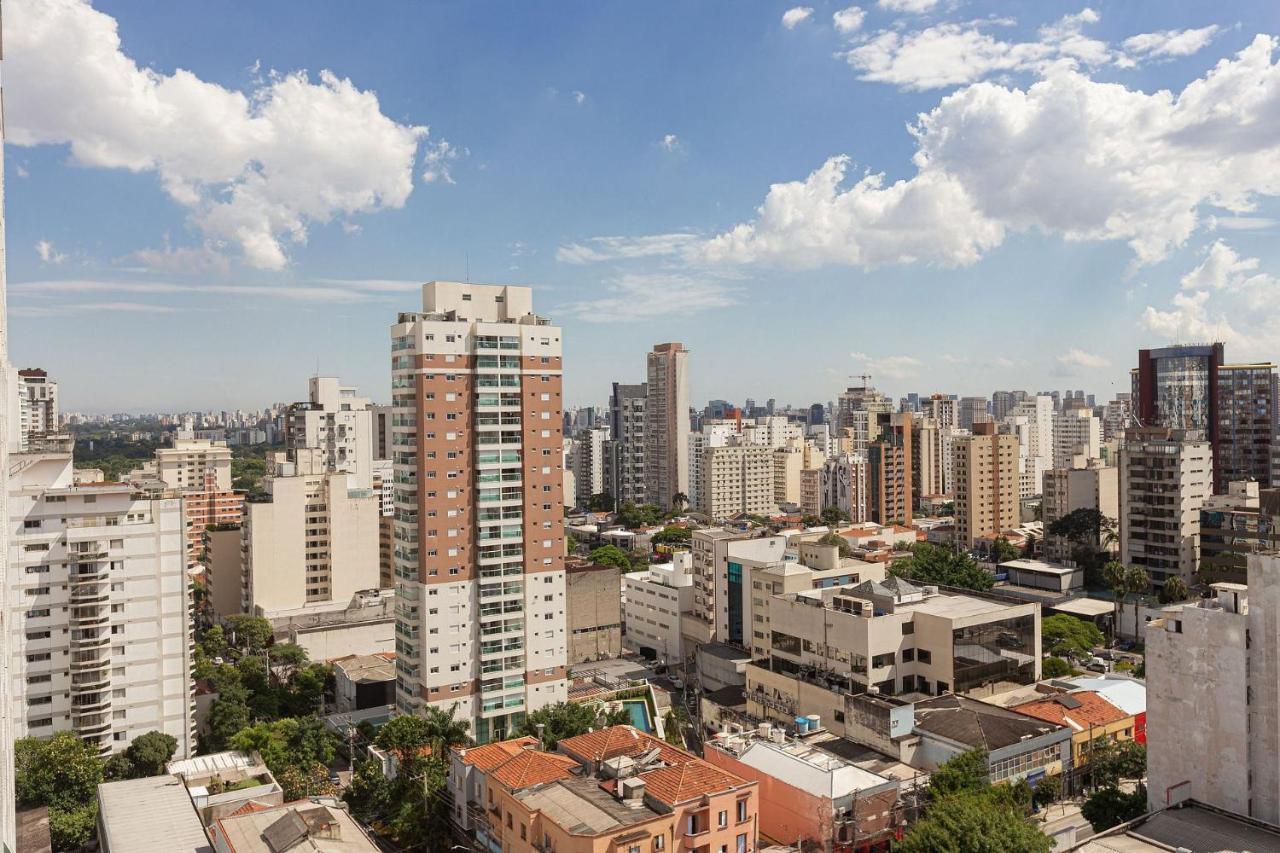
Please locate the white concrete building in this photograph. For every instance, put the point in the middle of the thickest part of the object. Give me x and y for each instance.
(338, 423)
(1165, 477)
(588, 467)
(99, 612)
(314, 542)
(1069, 489)
(33, 408)
(1032, 421)
(736, 478)
(652, 601)
(195, 463)
(1077, 438)
(1213, 698)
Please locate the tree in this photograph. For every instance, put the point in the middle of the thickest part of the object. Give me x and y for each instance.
(674, 724)
(1173, 590)
(610, 555)
(213, 642)
(71, 829)
(559, 721)
(445, 731)
(1029, 547)
(1112, 761)
(249, 633)
(1136, 581)
(289, 655)
(228, 714)
(600, 502)
(1002, 551)
(1062, 634)
(1082, 526)
(937, 564)
(150, 752)
(1055, 667)
(62, 772)
(1109, 806)
(974, 822)
(631, 516)
(1113, 574)
(832, 516)
(968, 771)
(311, 780)
(1047, 790)
(408, 738)
(289, 743)
(672, 534)
(678, 501)
(842, 544)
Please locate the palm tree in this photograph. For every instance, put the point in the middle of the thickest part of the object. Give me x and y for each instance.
(1136, 580)
(443, 731)
(678, 501)
(1113, 574)
(1174, 590)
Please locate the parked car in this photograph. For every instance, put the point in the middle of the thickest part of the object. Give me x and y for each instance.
(1096, 665)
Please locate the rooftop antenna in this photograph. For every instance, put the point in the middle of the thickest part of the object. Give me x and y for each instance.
(468, 257)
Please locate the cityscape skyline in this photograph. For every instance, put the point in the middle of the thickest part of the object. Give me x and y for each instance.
(229, 253)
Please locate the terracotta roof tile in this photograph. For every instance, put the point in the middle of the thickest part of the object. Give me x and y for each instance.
(1092, 710)
(489, 756)
(530, 767)
(611, 742)
(689, 781)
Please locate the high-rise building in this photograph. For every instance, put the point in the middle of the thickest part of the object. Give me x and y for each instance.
(666, 458)
(477, 392)
(1002, 403)
(381, 421)
(1117, 416)
(972, 410)
(624, 459)
(1178, 387)
(844, 485)
(1032, 421)
(987, 487)
(736, 478)
(1077, 438)
(1246, 425)
(889, 474)
(860, 399)
(1066, 490)
(588, 467)
(926, 459)
(338, 422)
(817, 414)
(33, 407)
(1213, 698)
(200, 471)
(99, 616)
(1165, 476)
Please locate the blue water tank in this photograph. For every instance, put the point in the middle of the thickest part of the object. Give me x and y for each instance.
(802, 725)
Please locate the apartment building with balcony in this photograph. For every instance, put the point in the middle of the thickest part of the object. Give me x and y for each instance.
(987, 484)
(99, 610)
(666, 459)
(625, 454)
(338, 423)
(479, 533)
(1166, 475)
(615, 789)
(199, 470)
(33, 408)
(1066, 490)
(736, 478)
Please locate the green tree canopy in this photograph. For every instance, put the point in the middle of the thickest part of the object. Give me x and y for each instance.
(1055, 667)
(62, 772)
(631, 516)
(967, 771)
(292, 742)
(561, 720)
(407, 737)
(150, 752)
(842, 544)
(938, 564)
(1062, 634)
(1109, 806)
(1112, 760)
(1174, 590)
(1047, 790)
(249, 633)
(1002, 551)
(610, 555)
(974, 822)
(673, 534)
(1084, 525)
(600, 502)
(832, 516)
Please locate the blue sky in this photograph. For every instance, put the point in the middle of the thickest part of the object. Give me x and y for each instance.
(204, 238)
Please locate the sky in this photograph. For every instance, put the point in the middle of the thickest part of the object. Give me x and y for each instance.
(209, 202)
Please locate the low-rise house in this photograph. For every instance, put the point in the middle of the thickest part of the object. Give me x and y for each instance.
(1018, 746)
(150, 815)
(1091, 718)
(307, 826)
(222, 783)
(362, 682)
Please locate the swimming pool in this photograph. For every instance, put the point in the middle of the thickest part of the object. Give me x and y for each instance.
(639, 711)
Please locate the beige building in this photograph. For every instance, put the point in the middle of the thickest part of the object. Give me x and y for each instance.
(1165, 477)
(737, 478)
(479, 531)
(811, 492)
(593, 611)
(223, 560)
(710, 549)
(1069, 489)
(987, 486)
(1077, 438)
(337, 423)
(926, 459)
(33, 410)
(315, 541)
(667, 424)
(195, 463)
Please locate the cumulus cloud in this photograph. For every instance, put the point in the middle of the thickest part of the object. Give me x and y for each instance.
(1170, 43)
(48, 254)
(914, 7)
(795, 16)
(438, 159)
(600, 249)
(644, 296)
(849, 20)
(200, 260)
(579, 97)
(1079, 358)
(954, 54)
(670, 143)
(254, 169)
(322, 290)
(1069, 156)
(889, 366)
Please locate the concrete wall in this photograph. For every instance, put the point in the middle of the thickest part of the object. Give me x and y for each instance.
(594, 612)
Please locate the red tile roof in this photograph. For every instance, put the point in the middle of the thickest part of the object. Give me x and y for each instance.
(530, 767)
(489, 756)
(689, 781)
(1092, 710)
(611, 742)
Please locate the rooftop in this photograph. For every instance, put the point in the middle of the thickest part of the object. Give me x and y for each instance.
(490, 755)
(582, 807)
(1079, 710)
(151, 815)
(689, 781)
(802, 765)
(973, 723)
(614, 741)
(365, 669)
(529, 767)
(1190, 827)
(299, 827)
(1038, 566)
(1086, 607)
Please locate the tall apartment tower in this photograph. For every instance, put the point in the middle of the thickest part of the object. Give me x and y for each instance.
(1246, 424)
(1178, 387)
(588, 464)
(99, 620)
(479, 530)
(972, 410)
(667, 424)
(1077, 438)
(987, 488)
(200, 470)
(338, 422)
(889, 471)
(33, 407)
(1002, 403)
(1165, 476)
(624, 459)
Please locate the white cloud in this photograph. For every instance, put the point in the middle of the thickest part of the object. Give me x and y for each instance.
(1079, 358)
(1240, 223)
(195, 260)
(914, 7)
(1170, 43)
(48, 254)
(796, 15)
(953, 54)
(579, 98)
(598, 249)
(641, 296)
(254, 169)
(1190, 320)
(323, 290)
(849, 20)
(889, 366)
(90, 307)
(670, 143)
(438, 159)
(1068, 156)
